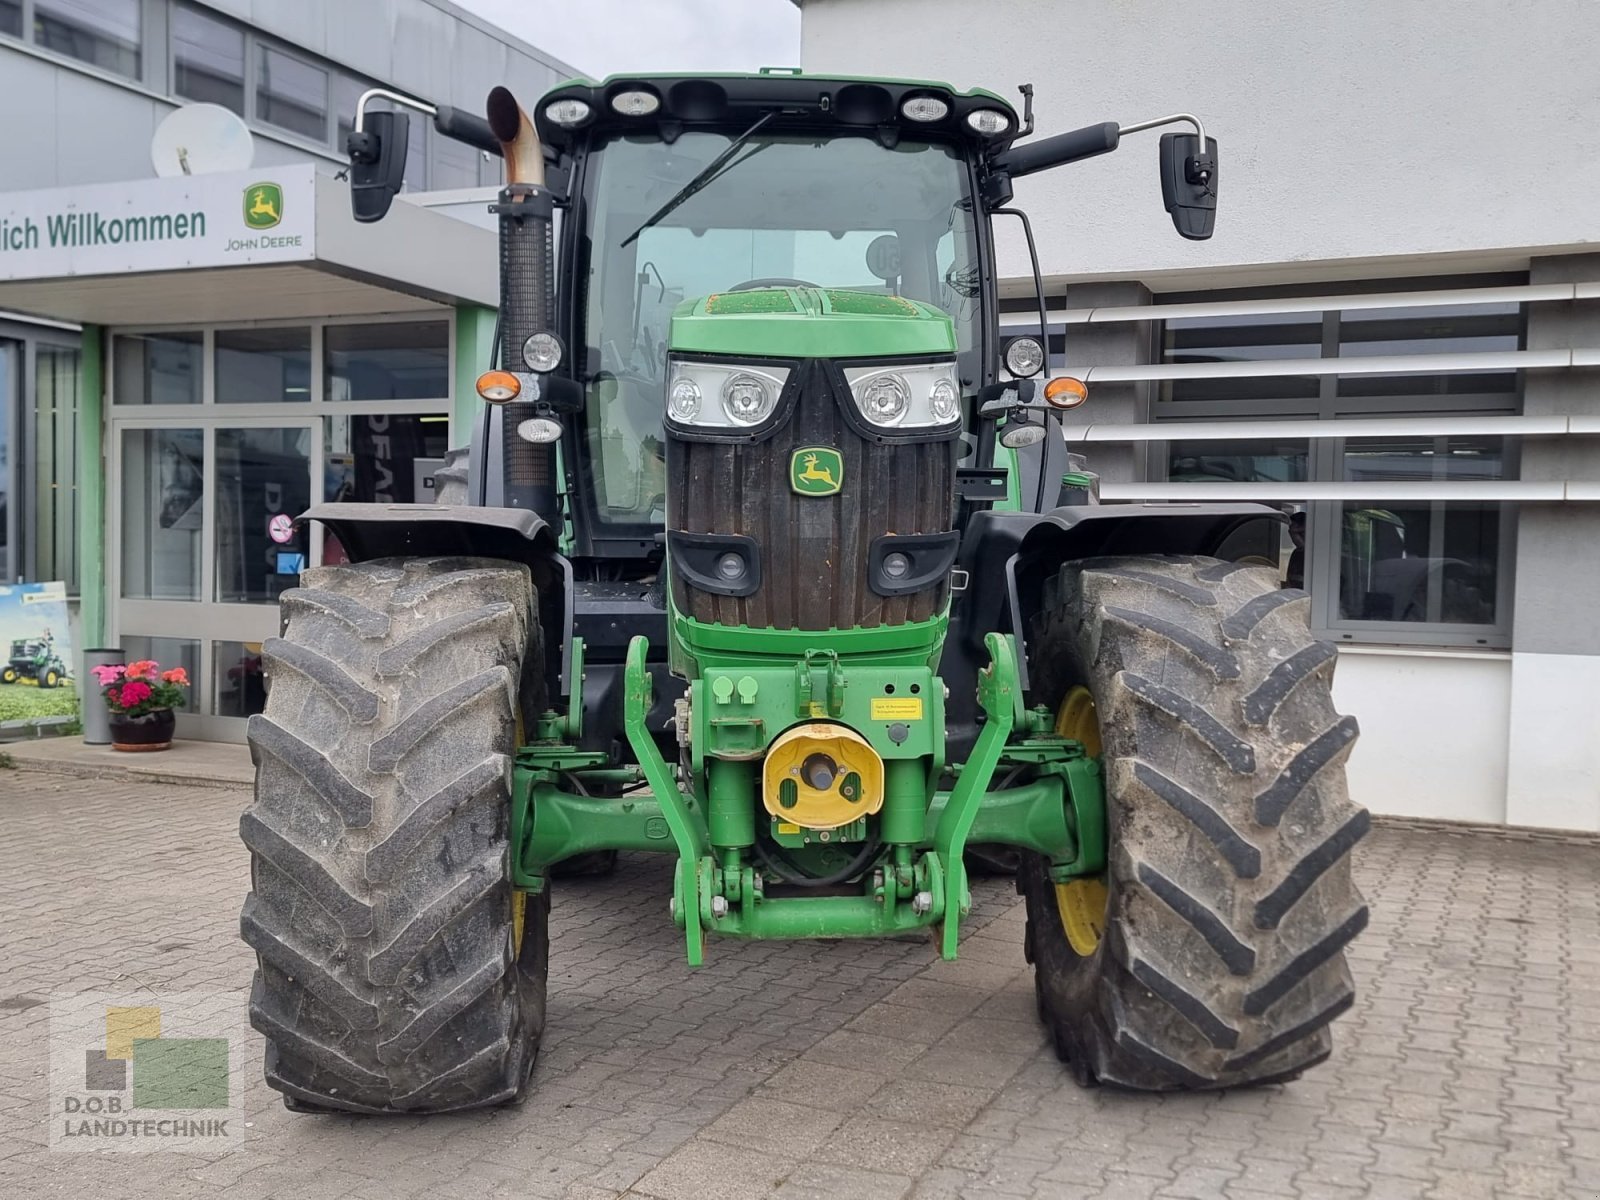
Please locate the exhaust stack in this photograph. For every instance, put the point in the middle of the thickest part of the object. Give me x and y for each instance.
(527, 296)
(519, 143)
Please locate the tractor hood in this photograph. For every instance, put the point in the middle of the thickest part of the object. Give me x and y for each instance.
(810, 323)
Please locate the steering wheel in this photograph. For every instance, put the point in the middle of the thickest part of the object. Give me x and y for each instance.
(773, 281)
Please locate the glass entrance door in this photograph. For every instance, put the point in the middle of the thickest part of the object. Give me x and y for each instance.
(204, 546)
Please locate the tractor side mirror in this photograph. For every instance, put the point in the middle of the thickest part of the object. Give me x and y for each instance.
(377, 163)
(1189, 183)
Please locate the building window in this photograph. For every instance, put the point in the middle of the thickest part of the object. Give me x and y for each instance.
(103, 33)
(1434, 562)
(11, 17)
(163, 501)
(291, 94)
(157, 368)
(268, 365)
(10, 377)
(402, 360)
(207, 60)
(56, 378)
(1422, 570)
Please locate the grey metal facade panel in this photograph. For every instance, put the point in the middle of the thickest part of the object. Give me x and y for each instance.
(87, 127)
(33, 146)
(1558, 546)
(102, 133)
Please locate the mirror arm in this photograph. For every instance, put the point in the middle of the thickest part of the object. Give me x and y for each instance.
(1198, 168)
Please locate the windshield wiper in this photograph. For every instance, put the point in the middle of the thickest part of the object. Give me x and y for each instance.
(706, 175)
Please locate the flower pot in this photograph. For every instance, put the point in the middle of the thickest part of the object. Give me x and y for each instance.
(152, 731)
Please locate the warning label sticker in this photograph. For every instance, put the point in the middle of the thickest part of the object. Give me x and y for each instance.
(894, 708)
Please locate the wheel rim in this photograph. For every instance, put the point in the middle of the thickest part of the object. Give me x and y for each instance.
(519, 904)
(1081, 903)
(519, 898)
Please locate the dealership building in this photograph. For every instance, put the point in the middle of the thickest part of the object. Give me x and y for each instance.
(1395, 332)
(184, 359)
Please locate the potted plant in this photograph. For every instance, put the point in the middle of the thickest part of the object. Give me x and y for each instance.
(140, 698)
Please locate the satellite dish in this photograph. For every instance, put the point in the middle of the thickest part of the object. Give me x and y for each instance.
(201, 139)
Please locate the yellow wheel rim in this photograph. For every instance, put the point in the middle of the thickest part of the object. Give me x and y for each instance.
(1082, 905)
(1081, 902)
(519, 903)
(1076, 719)
(519, 898)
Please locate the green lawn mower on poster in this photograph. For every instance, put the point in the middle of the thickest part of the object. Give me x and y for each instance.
(768, 555)
(35, 661)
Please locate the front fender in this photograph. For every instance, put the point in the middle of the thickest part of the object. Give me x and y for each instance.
(368, 531)
(1008, 555)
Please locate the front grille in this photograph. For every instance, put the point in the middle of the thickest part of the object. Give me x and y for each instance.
(813, 550)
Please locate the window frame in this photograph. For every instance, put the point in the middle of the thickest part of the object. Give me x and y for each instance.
(1324, 464)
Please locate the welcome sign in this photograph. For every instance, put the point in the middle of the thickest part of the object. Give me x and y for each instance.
(264, 215)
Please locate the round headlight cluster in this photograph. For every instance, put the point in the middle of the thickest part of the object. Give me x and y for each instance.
(885, 398)
(567, 113)
(542, 352)
(944, 400)
(748, 399)
(683, 401)
(1024, 357)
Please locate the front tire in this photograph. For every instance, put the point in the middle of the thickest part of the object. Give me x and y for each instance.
(398, 969)
(1217, 958)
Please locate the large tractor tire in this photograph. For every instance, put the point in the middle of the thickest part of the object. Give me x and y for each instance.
(398, 969)
(1210, 953)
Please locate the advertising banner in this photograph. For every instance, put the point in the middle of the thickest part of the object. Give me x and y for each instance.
(36, 660)
(267, 214)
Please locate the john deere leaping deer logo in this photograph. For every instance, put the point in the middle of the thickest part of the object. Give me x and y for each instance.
(816, 471)
(263, 205)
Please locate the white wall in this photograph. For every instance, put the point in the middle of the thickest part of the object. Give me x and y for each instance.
(1555, 738)
(1434, 731)
(1349, 129)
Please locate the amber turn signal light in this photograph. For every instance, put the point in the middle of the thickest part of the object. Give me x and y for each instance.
(1066, 392)
(498, 387)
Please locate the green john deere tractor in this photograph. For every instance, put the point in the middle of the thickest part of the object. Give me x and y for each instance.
(766, 555)
(36, 660)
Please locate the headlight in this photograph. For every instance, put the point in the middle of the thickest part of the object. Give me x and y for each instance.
(741, 396)
(568, 112)
(542, 352)
(1024, 357)
(925, 108)
(683, 402)
(749, 399)
(636, 103)
(988, 121)
(884, 398)
(916, 396)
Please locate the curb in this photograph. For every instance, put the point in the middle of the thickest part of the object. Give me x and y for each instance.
(130, 774)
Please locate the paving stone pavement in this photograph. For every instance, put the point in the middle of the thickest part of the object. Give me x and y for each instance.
(1469, 1067)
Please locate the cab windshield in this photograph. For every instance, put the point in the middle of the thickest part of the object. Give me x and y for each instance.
(842, 212)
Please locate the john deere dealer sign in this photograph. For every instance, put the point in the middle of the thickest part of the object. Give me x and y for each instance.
(265, 215)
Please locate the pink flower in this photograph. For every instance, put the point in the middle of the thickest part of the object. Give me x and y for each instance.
(133, 693)
(107, 675)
